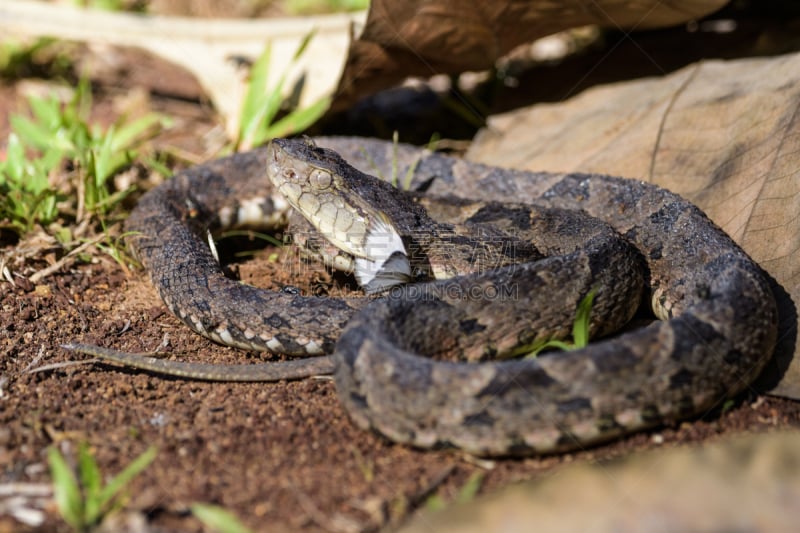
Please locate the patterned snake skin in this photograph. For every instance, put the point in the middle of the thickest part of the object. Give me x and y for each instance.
(717, 329)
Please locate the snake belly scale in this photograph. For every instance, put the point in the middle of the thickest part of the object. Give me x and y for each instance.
(718, 316)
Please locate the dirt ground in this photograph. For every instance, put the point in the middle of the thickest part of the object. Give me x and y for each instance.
(282, 456)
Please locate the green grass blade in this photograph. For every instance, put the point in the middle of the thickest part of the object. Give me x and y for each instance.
(250, 234)
(91, 480)
(304, 44)
(157, 165)
(299, 119)
(272, 104)
(580, 328)
(255, 97)
(275, 97)
(13, 168)
(32, 133)
(66, 491)
(90, 193)
(118, 482)
(470, 489)
(47, 112)
(554, 344)
(80, 107)
(50, 160)
(395, 142)
(218, 519)
(127, 134)
(103, 156)
(263, 103)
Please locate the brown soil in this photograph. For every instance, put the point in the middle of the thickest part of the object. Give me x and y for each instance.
(283, 456)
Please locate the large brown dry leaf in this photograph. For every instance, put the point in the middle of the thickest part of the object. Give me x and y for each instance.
(724, 134)
(427, 37)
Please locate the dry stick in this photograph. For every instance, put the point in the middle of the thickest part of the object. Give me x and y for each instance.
(37, 276)
(25, 489)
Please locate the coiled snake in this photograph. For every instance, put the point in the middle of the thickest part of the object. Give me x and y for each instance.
(392, 355)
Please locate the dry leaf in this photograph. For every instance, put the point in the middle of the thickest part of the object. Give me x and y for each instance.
(724, 134)
(427, 37)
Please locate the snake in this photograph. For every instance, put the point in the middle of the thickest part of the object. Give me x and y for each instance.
(421, 359)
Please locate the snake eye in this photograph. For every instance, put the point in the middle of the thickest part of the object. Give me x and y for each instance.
(319, 179)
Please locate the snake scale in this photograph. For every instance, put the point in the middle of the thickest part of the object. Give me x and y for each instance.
(717, 327)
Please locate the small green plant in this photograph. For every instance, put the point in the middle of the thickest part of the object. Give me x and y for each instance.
(394, 177)
(112, 5)
(309, 7)
(44, 57)
(465, 494)
(262, 104)
(218, 519)
(38, 147)
(27, 197)
(83, 501)
(580, 330)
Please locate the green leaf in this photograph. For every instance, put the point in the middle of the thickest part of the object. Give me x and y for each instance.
(470, 489)
(14, 166)
(263, 103)
(49, 161)
(395, 142)
(255, 97)
(275, 96)
(218, 519)
(66, 491)
(32, 133)
(104, 155)
(250, 234)
(108, 201)
(434, 502)
(544, 345)
(580, 328)
(158, 166)
(304, 44)
(298, 120)
(47, 112)
(91, 479)
(117, 483)
(81, 105)
(271, 106)
(127, 134)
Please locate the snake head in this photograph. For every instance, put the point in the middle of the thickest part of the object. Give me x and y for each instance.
(322, 187)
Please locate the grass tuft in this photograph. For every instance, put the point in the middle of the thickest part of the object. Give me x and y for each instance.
(258, 121)
(580, 331)
(83, 501)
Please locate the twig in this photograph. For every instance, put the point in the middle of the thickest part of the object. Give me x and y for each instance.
(37, 276)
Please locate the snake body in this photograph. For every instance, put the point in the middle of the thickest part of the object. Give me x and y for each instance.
(717, 329)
